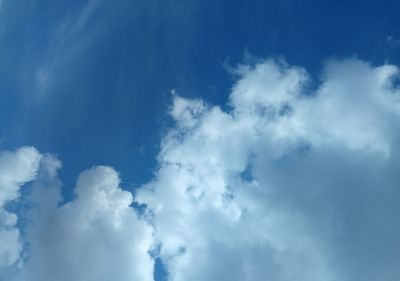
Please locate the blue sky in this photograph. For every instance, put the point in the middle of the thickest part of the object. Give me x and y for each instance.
(108, 68)
(90, 82)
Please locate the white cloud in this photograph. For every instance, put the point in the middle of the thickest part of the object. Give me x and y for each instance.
(16, 168)
(98, 236)
(287, 185)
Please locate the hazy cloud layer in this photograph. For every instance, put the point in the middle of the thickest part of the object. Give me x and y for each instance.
(289, 183)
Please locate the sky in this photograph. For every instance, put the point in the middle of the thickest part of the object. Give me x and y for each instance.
(164, 140)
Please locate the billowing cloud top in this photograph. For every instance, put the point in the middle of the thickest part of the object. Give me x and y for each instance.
(289, 183)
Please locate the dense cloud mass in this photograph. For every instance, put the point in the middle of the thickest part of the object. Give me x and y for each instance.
(289, 183)
(97, 236)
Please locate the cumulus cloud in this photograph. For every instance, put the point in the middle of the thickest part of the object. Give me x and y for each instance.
(290, 183)
(16, 168)
(98, 236)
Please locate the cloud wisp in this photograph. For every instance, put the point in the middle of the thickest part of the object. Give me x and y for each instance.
(288, 183)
